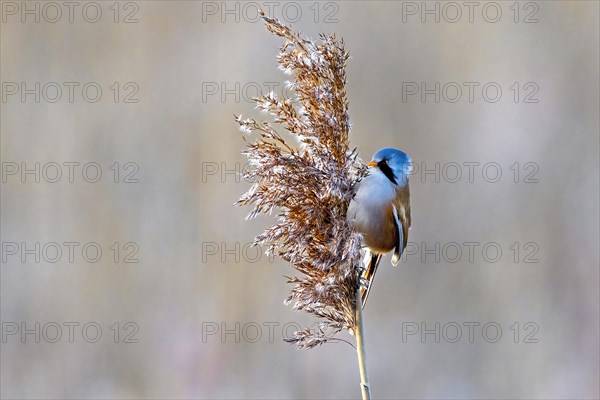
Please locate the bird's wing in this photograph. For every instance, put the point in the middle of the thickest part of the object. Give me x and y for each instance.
(400, 244)
(402, 221)
(372, 260)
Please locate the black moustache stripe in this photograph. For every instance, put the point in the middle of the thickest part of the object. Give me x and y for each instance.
(387, 171)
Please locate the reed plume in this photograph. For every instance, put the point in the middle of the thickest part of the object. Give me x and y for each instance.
(309, 184)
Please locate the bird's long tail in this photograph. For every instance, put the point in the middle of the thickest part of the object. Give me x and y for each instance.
(369, 274)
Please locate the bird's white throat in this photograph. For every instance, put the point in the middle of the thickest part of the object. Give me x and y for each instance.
(375, 189)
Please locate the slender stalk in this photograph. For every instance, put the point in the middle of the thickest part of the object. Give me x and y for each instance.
(360, 348)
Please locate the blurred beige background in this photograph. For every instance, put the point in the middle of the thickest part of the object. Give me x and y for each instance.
(195, 278)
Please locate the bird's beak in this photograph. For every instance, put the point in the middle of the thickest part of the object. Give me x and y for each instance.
(372, 164)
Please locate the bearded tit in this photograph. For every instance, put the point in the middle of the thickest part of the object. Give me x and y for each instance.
(380, 210)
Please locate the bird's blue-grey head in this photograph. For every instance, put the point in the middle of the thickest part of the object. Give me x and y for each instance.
(395, 164)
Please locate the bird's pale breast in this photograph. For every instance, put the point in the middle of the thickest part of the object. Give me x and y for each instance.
(371, 212)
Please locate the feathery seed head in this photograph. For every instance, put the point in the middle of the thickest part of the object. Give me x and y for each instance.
(311, 184)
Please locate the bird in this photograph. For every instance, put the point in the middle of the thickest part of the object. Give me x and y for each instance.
(380, 210)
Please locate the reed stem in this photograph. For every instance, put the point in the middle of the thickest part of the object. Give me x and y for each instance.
(360, 348)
